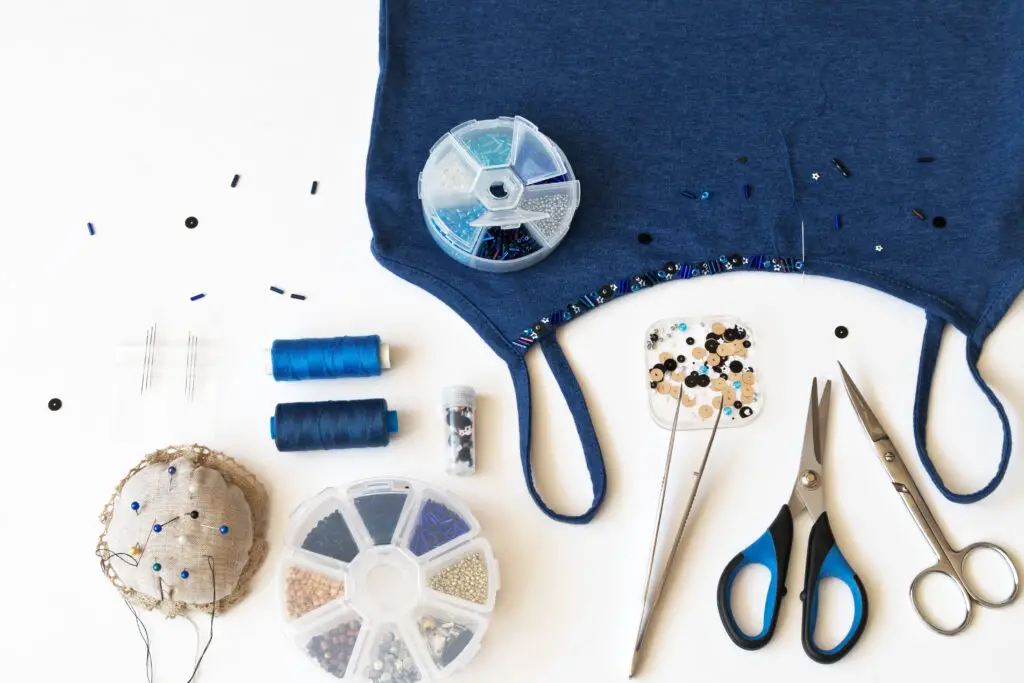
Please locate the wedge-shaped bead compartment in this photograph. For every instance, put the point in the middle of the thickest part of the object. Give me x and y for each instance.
(381, 507)
(489, 142)
(449, 175)
(536, 158)
(448, 637)
(389, 657)
(437, 525)
(467, 575)
(331, 535)
(307, 587)
(559, 201)
(333, 641)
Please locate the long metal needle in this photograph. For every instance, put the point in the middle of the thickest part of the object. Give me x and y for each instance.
(647, 614)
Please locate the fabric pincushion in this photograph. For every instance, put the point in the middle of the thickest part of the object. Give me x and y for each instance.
(184, 530)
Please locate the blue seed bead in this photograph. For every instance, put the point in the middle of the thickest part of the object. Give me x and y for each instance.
(157, 567)
(172, 470)
(184, 573)
(135, 505)
(157, 528)
(224, 529)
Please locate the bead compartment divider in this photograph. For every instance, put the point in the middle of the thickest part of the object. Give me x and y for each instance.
(454, 555)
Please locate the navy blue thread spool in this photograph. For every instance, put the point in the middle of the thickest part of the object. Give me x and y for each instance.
(328, 358)
(330, 425)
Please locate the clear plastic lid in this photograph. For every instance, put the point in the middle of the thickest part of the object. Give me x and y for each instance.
(388, 581)
(498, 194)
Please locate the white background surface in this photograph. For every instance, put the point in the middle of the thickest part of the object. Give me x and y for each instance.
(136, 115)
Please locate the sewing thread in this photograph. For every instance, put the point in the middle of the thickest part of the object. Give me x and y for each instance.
(329, 425)
(330, 358)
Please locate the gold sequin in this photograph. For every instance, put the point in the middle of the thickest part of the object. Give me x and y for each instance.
(689, 401)
(657, 375)
(664, 388)
(735, 376)
(730, 395)
(718, 384)
(679, 375)
(675, 390)
(716, 402)
(713, 360)
(748, 379)
(718, 328)
(664, 356)
(699, 352)
(705, 411)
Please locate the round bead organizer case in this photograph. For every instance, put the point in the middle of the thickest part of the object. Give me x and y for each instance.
(708, 360)
(387, 581)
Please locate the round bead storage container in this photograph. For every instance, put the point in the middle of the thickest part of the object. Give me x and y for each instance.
(387, 581)
(498, 195)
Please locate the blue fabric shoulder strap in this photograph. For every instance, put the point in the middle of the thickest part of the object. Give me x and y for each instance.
(929, 356)
(573, 395)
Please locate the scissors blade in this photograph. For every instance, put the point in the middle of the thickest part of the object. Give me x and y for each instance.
(808, 485)
(876, 432)
(823, 407)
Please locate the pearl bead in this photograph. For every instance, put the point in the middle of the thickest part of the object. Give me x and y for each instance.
(182, 540)
(193, 488)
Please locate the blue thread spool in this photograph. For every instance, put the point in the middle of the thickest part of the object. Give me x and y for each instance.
(329, 425)
(328, 358)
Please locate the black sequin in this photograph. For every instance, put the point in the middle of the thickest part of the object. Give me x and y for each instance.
(736, 366)
(690, 381)
(746, 411)
(689, 340)
(730, 334)
(737, 404)
(669, 364)
(746, 344)
(842, 332)
(644, 238)
(704, 380)
(681, 359)
(55, 404)
(711, 345)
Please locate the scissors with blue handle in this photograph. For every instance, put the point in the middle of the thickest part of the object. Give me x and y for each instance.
(824, 558)
(950, 562)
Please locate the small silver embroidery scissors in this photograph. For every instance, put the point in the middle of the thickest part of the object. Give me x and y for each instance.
(950, 562)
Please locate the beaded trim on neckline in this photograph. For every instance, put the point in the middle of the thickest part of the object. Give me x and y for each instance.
(668, 271)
